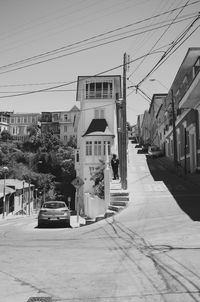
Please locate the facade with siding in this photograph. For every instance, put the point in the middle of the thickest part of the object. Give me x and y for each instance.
(185, 91)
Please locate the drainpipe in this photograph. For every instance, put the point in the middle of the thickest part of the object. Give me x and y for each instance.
(174, 130)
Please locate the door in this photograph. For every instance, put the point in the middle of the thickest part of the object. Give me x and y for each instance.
(192, 142)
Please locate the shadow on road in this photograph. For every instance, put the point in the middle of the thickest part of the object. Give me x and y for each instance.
(187, 195)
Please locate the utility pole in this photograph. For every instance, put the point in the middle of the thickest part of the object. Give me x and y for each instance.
(124, 134)
(23, 197)
(119, 130)
(174, 130)
(29, 198)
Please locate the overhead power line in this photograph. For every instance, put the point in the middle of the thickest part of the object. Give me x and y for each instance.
(179, 41)
(165, 31)
(75, 81)
(66, 47)
(84, 49)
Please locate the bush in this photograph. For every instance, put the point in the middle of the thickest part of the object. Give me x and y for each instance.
(98, 178)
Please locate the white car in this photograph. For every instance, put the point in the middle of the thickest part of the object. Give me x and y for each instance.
(154, 151)
(54, 212)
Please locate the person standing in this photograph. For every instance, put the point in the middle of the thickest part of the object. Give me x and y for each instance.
(115, 166)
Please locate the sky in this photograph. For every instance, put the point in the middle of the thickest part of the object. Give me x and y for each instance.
(48, 44)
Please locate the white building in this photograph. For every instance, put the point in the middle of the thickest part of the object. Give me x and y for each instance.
(4, 121)
(97, 125)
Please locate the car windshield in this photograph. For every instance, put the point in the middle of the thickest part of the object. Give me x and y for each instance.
(54, 205)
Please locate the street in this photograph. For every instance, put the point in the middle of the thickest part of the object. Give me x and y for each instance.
(148, 252)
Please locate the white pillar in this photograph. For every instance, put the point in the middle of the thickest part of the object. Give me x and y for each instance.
(107, 180)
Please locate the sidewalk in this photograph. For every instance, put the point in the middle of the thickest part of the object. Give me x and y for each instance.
(74, 223)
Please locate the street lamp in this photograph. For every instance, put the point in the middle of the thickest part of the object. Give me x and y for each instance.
(155, 80)
(36, 199)
(5, 170)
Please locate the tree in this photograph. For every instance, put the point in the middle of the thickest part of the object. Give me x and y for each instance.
(6, 136)
(98, 178)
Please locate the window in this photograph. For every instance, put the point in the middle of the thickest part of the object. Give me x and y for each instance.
(55, 117)
(99, 113)
(99, 90)
(65, 128)
(88, 148)
(25, 120)
(97, 148)
(65, 117)
(65, 138)
(196, 67)
(92, 170)
(104, 148)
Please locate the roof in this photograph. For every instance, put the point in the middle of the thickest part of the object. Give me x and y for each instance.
(189, 60)
(7, 190)
(74, 108)
(156, 97)
(98, 127)
(18, 184)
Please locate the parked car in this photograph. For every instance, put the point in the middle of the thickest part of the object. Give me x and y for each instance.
(54, 212)
(154, 151)
(145, 148)
(138, 146)
(133, 140)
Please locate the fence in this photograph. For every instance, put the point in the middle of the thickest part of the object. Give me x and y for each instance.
(94, 206)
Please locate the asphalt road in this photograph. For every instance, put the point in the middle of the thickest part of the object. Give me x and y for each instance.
(149, 252)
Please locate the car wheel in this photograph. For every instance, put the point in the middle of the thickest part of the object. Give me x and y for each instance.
(40, 225)
(67, 224)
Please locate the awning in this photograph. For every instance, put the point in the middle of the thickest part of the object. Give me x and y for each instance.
(98, 127)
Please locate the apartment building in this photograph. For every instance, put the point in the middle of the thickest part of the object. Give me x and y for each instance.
(19, 123)
(185, 93)
(4, 120)
(63, 124)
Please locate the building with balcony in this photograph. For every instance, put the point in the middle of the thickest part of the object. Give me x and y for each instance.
(19, 123)
(155, 111)
(4, 120)
(185, 94)
(69, 124)
(50, 123)
(63, 124)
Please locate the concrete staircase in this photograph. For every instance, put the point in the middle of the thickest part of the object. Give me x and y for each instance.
(118, 201)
